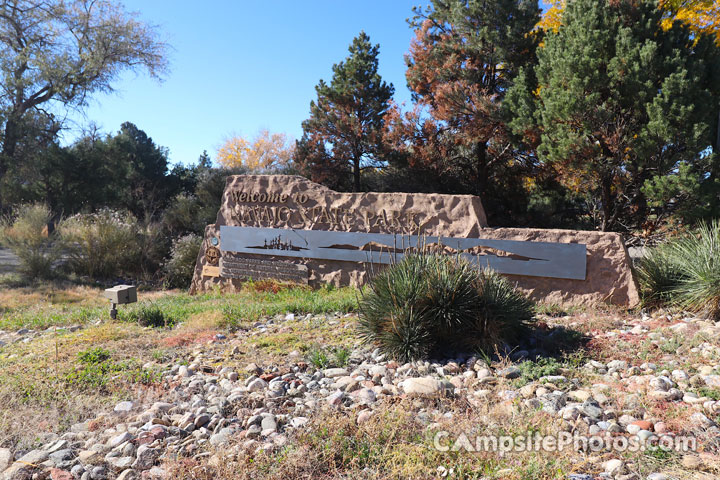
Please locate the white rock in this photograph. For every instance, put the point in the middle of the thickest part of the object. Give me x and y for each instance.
(335, 372)
(123, 407)
(422, 385)
(257, 385)
(613, 466)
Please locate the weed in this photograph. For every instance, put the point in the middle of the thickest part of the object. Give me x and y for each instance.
(93, 356)
(318, 358)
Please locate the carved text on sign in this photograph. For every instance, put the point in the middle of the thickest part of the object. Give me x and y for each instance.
(344, 218)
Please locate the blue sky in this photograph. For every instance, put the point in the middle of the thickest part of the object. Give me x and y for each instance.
(239, 66)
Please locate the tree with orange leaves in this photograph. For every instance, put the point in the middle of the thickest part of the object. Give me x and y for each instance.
(461, 62)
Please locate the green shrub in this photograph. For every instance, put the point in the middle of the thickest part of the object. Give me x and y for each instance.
(659, 275)
(181, 265)
(149, 316)
(431, 304)
(97, 369)
(27, 236)
(93, 355)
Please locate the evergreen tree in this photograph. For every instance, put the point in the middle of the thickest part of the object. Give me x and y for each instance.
(343, 135)
(616, 101)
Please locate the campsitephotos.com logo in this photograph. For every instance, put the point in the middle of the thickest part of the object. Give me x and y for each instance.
(535, 442)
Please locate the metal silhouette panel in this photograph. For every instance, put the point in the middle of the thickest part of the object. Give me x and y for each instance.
(537, 259)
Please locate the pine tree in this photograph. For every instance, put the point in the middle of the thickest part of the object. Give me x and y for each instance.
(343, 135)
(616, 101)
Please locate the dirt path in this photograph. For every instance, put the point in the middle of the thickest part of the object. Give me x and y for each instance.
(9, 262)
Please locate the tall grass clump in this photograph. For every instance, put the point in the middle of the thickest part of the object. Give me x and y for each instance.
(102, 245)
(698, 257)
(433, 304)
(659, 274)
(181, 265)
(685, 271)
(27, 235)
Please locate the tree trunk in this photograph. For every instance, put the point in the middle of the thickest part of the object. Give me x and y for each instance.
(606, 198)
(482, 177)
(8, 151)
(356, 174)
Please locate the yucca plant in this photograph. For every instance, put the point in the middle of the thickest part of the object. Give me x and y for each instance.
(431, 303)
(698, 259)
(659, 274)
(503, 312)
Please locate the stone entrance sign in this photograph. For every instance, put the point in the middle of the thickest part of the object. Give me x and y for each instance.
(288, 228)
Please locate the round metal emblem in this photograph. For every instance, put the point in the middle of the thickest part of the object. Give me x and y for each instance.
(212, 255)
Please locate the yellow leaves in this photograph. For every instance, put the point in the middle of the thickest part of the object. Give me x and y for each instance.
(265, 151)
(552, 18)
(702, 16)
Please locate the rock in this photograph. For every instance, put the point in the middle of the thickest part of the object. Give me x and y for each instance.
(120, 439)
(424, 386)
(34, 457)
(335, 372)
(121, 463)
(269, 423)
(58, 474)
(62, 459)
(364, 416)
(99, 473)
(128, 474)
(510, 372)
(336, 398)
(219, 439)
(365, 395)
(712, 380)
(145, 458)
(579, 395)
(201, 420)
(592, 410)
(642, 424)
(253, 369)
(77, 471)
(257, 385)
(692, 462)
(701, 420)
(613, 467)
(6, 458)
(657, 476)
(123, 407)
